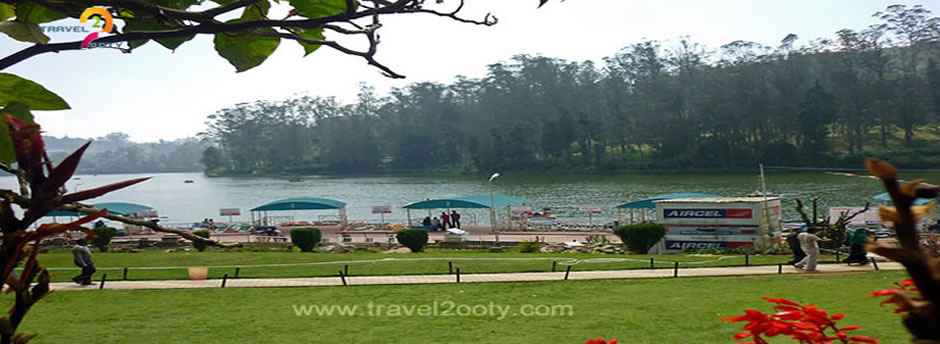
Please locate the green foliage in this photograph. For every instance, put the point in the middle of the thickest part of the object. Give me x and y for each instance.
(639, 238)
(315, 34)
(31, 12)
(530, 246)
(201, 246)
(306, 238)
(319, 8)
(153, 24)
(413, 238)
(243, 50)
(24, 32)
(104, 235)
(16, 89)
(6, 11)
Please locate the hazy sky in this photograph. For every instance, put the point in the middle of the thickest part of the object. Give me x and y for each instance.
(155, 93)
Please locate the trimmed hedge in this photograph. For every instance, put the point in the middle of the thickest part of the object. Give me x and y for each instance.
(104, 235)
(413, 238)
(305, 238)
(200, 246)
(639, 238)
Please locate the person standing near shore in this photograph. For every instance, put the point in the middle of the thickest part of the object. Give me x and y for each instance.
(82, 258)
(445, 220)
(455, 219)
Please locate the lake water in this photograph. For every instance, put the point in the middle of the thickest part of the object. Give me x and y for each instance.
(177, 201)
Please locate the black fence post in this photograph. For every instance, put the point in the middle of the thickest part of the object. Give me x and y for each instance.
(125, 274)
(237, 270)
(224, 279)
(675, 271)
(747, 259)
(554, 264)
(342, 277)
(652, 264)
(567, 272)
(874, 263)
(838, 258)
(346, 270)
(450, 268)
(458, 275)
(104, 277)
(779, 269)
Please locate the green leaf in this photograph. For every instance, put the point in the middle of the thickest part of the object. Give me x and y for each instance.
(243, 49)
(151, 24)
(24, 32)
(6, 11)
(16, 89)
(316, 34)
(319, 8)
(176, 4)
(29, 12)
(18, 110)
(255, 11)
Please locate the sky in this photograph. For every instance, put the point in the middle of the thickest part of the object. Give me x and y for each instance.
(154, 93)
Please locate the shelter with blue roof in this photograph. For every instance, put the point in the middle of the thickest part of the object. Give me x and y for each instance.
(301, 203)
(486, 201)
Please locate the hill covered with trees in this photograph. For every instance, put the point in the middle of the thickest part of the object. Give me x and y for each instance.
(652, 105)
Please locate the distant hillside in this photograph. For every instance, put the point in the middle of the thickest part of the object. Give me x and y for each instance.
(114, 153)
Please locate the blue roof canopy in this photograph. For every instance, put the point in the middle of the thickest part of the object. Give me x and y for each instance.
(885, 197)
(474, 201)
(648, 203)
(115, 208)
(302, 203)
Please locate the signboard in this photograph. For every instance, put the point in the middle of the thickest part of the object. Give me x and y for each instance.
(147, 214)
(229, 212)
(589, 209)
(382, 209)
(712, 230)
(698, 245)
(737, 213)
(520, 210)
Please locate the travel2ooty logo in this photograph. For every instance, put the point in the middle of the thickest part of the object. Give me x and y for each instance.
(101, 19)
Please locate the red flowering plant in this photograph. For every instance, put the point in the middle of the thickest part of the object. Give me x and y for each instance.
(806, 324)
(900, 296)
(600, 340)
(42, 190)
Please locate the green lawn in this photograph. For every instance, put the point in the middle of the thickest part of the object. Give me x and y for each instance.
(366, 263)
(657, 311)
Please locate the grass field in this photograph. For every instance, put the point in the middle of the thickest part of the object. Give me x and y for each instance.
(657, 311)
(366, 263)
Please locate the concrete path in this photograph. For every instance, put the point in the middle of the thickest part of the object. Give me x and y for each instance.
(471, 278)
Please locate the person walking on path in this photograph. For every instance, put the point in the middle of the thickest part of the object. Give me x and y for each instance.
(82, 257)
(445, 220)
(455, 219)
(857, 241)
(809, 242)
(794, 243)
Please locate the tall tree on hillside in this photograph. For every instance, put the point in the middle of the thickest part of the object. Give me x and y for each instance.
(817, 111)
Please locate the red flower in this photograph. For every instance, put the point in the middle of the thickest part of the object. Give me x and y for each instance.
(807, 324)
(600, 340)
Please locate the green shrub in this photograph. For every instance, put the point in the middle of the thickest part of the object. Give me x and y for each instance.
(527, 246)
(104, 235)
(306, 238)
(639, 238)
(200, 246)
(413, 238)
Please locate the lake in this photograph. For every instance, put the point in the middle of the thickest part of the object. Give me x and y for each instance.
(178, 202)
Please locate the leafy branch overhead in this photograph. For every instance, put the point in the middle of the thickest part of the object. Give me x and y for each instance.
(245, 32)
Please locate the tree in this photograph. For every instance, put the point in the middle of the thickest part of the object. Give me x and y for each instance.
(213, 160)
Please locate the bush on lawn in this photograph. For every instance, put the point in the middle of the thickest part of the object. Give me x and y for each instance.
(104, 235)
(200, 246)
(640, 237)
(527, 246)
(306, 238)
(413, 238)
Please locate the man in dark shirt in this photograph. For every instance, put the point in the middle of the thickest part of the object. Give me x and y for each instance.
(82, 257)
(794, 243)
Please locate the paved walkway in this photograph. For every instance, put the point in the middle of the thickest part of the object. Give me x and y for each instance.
(470, 278)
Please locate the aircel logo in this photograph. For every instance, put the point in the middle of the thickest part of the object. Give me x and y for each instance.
(708, 213)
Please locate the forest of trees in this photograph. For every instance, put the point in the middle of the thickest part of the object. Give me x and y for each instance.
(115, 153)
(873, 92)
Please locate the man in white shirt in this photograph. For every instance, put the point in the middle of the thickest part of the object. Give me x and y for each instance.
(809, 242)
